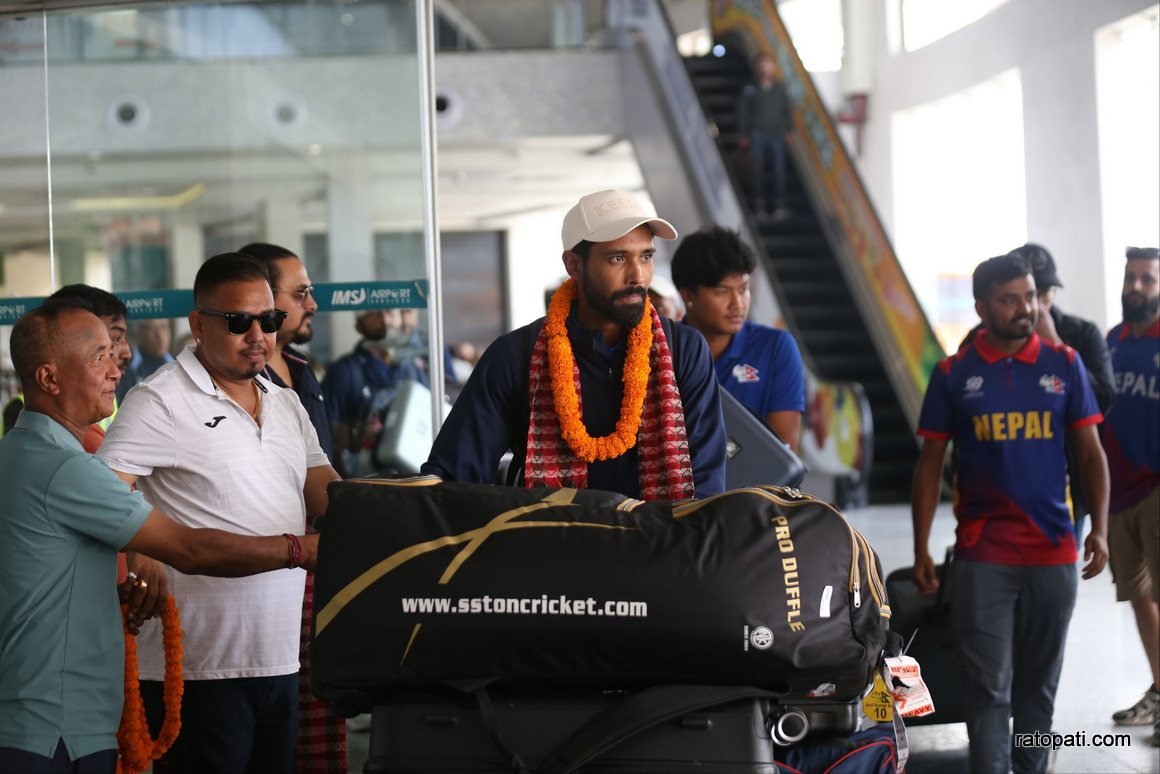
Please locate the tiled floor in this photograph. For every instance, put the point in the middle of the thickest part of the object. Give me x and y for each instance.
(1104, 668)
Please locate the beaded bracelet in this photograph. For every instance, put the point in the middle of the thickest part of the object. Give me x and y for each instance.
(295, 551)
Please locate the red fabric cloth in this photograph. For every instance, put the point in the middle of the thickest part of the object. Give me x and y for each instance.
(663, 459)
(321, 733)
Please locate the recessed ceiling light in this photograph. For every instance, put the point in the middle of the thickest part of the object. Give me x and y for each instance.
(173, 202)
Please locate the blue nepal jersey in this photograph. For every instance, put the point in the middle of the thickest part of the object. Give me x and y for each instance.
(1008, 416)
(762, 368)
(1132, 432)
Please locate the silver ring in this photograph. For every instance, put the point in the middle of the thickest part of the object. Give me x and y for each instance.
(131, 576)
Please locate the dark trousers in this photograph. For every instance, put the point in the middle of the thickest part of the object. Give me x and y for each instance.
(767, 150)
(1011, 623)
(247, 724)
(13, 761)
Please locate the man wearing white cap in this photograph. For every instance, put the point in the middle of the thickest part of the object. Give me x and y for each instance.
(603, 392)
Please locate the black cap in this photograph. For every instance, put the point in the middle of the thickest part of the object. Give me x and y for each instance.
(1042, 265)
(1142, 253)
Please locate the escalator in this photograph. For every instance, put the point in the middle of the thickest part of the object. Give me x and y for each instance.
(812, 289)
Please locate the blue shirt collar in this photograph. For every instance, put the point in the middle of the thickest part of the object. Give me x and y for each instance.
(46, 425)
(736, 344)
(609, 352)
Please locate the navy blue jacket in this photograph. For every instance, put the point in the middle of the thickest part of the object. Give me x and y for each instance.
(490, 416)
(306, 386)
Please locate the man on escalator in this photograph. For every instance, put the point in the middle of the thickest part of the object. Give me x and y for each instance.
(764, 118)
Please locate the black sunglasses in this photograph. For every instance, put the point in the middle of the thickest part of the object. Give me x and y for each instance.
(238, 323)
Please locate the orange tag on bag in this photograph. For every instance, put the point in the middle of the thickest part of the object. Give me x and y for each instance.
(908, 687)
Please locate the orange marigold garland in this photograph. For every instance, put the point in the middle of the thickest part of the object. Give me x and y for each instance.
(562, 366)
(138, 748)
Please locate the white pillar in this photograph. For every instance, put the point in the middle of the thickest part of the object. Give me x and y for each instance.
(282, 224)
(350, 238)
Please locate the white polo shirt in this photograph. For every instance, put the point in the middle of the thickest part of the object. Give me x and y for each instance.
(205, 462)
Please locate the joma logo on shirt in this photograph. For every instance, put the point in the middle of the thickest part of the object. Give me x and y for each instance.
(1013, 426)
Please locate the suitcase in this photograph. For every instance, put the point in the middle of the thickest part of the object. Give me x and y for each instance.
(423, 732)
(754, 454)
(406, 438)
(924, 622)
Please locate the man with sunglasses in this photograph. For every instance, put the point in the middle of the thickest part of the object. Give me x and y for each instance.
(212, 442)
(321, 733)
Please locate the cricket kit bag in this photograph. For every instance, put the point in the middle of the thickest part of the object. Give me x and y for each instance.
(424, 584)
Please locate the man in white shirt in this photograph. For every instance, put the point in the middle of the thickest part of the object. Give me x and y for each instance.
(214, 444)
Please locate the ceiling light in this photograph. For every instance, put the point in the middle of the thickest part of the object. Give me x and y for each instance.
(174, 202)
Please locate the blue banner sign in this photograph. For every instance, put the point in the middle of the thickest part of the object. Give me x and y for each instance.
(340, 296)
(12, 309)
(330, 296)
(143, 304)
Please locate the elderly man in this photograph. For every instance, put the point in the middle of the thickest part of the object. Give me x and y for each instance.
(641, 414)
(213, 443)
(63, 517)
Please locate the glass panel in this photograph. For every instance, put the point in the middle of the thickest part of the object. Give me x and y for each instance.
(183, 130)
(26, 263)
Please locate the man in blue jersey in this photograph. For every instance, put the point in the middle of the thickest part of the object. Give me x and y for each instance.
(1132, 441)
(1007, 402)
(759, 365)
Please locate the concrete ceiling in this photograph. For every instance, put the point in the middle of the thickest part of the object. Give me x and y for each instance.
(481, 187)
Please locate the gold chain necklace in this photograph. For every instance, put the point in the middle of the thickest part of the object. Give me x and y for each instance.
(257, 397)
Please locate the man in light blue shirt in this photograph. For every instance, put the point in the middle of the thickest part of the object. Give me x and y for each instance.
(63, 516)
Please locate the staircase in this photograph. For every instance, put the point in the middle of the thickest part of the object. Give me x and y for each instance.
(812, 290)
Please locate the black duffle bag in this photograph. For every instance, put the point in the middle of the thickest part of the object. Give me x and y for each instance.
(422, 582)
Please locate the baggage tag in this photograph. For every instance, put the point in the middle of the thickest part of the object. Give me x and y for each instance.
(879, 703)
(901, 743)
(909, 689)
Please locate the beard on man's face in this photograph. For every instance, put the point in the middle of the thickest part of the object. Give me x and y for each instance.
(627, 315)
(1139, 311)
(1014, 329)
(305, 331)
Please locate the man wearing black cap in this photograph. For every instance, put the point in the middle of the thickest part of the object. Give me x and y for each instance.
(601, 393)
(1057, 327)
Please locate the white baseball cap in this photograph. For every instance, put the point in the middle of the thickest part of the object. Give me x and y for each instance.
(607, 215)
